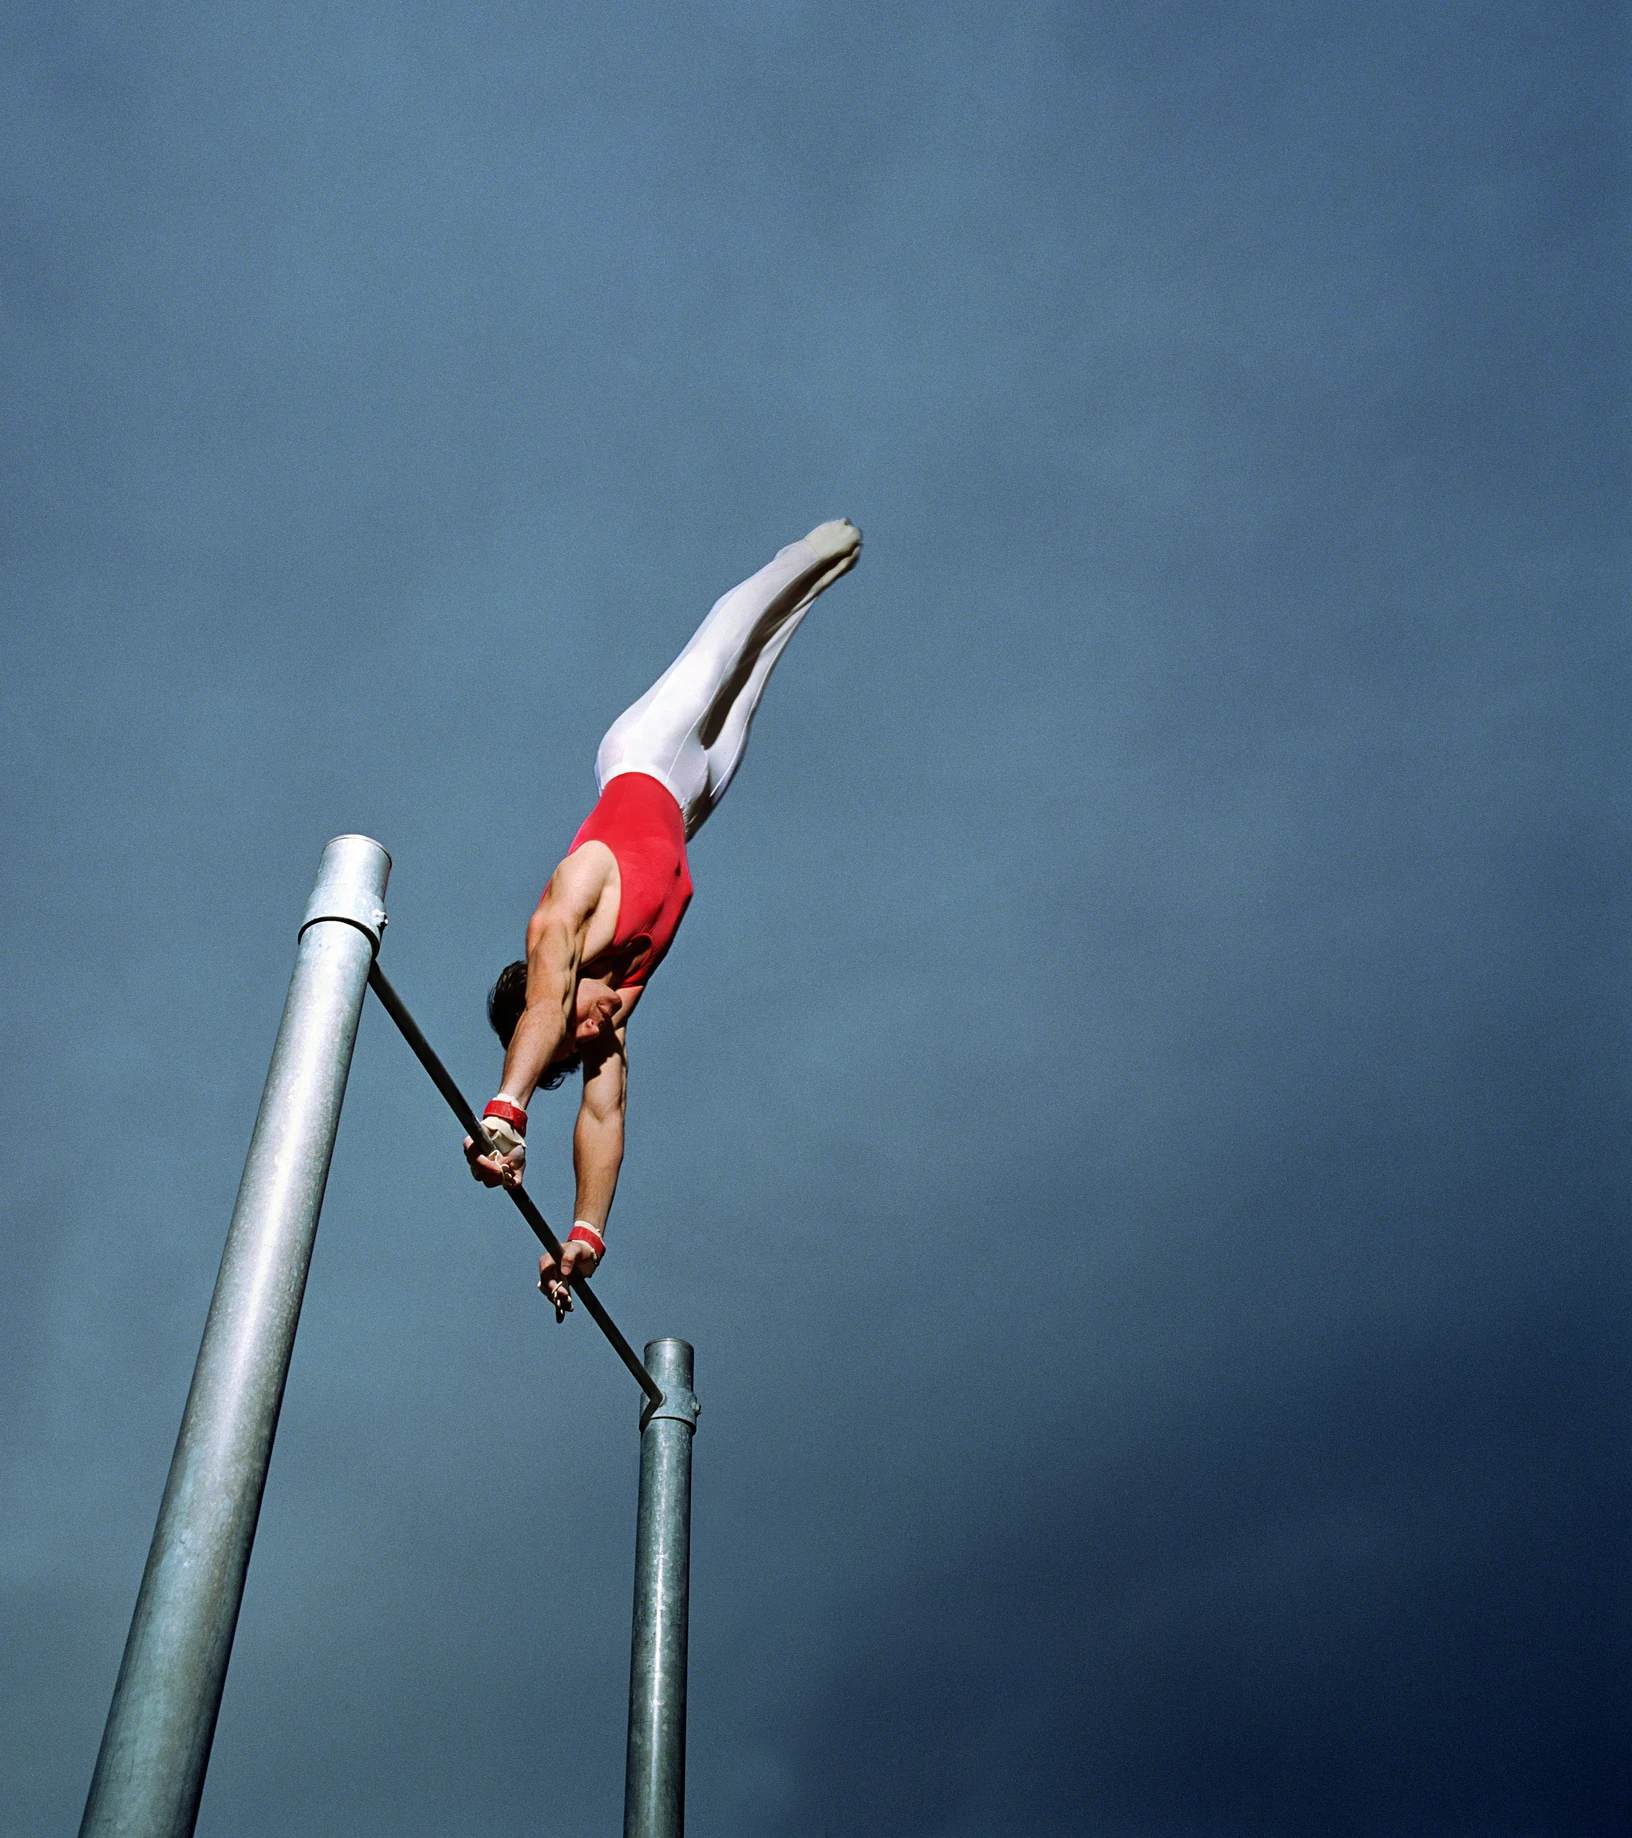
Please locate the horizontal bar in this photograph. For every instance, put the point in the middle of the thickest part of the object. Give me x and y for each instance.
(442, 1079)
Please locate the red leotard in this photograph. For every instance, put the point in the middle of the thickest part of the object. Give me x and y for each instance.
(639, 821)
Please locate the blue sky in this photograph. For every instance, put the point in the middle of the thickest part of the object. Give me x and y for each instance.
(1134, 1123)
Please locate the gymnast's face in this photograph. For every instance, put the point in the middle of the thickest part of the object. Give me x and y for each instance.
(595, 1010)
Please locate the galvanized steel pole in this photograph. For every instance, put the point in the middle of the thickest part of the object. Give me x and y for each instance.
(654, 1793)
(156, 1747)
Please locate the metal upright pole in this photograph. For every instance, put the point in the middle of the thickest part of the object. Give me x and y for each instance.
(654, 1793)
(150, 1772)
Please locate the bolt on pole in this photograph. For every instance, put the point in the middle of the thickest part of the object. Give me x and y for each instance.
(654, 1795)
(156, 1746)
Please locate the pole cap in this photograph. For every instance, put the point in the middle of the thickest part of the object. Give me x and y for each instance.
(350, 886)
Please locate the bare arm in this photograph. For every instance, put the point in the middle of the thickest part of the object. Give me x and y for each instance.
(597, 1156)
(556, 939)
(597, 1138)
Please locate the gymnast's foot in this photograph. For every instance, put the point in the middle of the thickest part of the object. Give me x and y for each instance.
(839, 545)
(835, 539)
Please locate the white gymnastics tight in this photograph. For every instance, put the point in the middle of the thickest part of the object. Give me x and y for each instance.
(690, 728)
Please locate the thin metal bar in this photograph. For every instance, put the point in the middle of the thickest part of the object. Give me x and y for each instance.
(156, 1746)
(443, 1081)
(654, 1793)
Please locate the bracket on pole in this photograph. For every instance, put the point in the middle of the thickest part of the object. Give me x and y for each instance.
(678, 1404)
(343, 891)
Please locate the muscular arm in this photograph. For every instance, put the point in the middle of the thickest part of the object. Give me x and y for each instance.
(597, 1138)
(597, 1155)
(557, 939)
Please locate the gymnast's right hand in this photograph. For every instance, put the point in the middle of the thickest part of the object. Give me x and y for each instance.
(506, 1166)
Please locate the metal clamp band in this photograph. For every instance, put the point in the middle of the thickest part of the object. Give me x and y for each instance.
(678, 1405)
(347, 886)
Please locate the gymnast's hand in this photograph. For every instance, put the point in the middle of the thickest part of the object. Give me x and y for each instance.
(577, 1259)
(504, 1168)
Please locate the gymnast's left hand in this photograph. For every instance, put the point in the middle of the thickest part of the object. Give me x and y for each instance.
(577, 1259)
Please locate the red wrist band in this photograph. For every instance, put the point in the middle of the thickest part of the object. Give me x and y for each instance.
(507, 1112)
(587, 1234)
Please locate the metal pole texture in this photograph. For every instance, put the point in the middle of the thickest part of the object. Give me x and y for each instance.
(442, 1079)
(654, 1793)
(156, 1747)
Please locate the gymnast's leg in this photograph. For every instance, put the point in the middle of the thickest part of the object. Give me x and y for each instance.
(691, 727)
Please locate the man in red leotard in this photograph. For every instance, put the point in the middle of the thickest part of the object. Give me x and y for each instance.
(612, 907)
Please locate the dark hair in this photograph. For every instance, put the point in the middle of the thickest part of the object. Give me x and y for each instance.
(505, 1002)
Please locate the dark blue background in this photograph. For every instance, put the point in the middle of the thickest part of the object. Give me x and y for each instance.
(1136, 1122)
